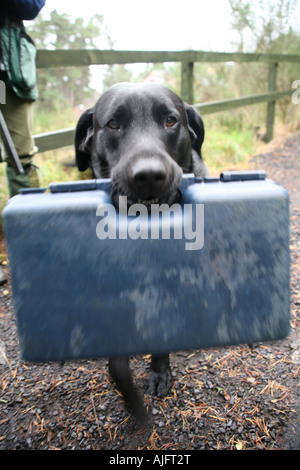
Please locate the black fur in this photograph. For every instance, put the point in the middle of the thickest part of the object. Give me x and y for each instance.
(143, 136)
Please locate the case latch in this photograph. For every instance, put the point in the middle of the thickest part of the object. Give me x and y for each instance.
(243, 175)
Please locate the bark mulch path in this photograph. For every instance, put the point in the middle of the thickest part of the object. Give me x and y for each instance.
(226, 398)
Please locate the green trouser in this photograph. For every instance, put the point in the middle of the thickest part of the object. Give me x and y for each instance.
(18, 117)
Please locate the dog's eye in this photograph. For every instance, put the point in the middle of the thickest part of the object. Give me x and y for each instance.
(170, 121)
(113, 124)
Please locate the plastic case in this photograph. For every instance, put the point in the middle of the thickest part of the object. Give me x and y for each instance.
(90, 282)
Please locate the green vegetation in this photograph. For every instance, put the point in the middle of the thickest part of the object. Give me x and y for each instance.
(227, 148)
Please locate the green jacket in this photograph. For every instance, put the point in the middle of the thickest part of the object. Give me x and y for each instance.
(17, 50)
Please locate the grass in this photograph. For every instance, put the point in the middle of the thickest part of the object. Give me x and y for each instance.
(226, 149)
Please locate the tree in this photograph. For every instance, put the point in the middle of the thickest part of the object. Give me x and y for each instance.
(265, 26)
(116, 73)
(259, 23)
(60, 87)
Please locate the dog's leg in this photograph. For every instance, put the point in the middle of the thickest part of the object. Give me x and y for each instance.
(158, 381)
(120, 372)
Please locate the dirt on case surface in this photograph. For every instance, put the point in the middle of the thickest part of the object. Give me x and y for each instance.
(233, 397)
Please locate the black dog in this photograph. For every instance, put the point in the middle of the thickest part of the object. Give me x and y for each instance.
(142, 137)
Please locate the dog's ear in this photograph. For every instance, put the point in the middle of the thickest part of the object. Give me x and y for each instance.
(195, 126)
(83, 137)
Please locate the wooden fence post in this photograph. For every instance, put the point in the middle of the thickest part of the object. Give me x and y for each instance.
(187, 81)
(271, 104)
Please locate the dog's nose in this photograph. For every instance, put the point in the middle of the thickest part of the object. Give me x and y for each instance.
(148, 177)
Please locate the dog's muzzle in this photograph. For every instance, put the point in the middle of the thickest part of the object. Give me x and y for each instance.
(147, 181)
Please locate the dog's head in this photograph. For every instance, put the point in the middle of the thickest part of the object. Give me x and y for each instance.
(142, 136)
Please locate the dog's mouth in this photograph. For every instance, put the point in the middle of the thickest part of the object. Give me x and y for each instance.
(148, 182)
(169, 199)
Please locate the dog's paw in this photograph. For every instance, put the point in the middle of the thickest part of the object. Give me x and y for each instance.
(158, 383)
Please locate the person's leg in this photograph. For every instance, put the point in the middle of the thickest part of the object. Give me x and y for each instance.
(29, 179)
(18, 117)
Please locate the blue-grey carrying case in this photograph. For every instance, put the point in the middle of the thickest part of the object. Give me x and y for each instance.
(89, 281)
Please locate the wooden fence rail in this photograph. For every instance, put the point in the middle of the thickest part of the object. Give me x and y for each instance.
(86, 57)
